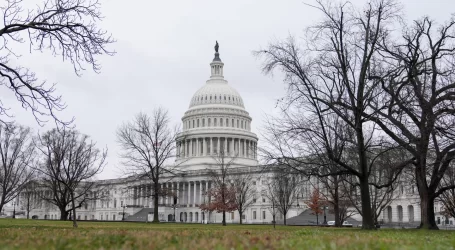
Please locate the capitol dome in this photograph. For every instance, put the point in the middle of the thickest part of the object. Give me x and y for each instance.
(215, 123)
(216, 92)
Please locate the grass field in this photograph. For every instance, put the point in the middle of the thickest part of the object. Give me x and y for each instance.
(35, 234)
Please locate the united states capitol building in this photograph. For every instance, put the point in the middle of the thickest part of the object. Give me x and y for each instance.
(216, 119)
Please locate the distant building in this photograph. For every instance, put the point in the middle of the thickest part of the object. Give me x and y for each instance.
(216, 120)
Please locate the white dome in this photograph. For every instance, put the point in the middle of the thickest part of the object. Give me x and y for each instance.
(218, 92)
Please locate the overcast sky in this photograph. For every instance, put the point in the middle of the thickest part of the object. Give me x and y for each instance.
(163, 53)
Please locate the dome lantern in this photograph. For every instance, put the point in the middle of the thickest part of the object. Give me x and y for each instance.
(217, 65)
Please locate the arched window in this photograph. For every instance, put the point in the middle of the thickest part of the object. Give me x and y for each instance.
(237, 123)
(214, 122)
(208, 123)
(198, 123)
(193, 123)
(227, 122)
(221, 122)
(232, 124)
(203, 122)
(241, 124)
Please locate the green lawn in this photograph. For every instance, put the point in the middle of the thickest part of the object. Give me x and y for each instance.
(35, 234)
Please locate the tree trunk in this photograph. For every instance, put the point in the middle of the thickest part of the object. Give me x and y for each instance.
(317, 219)
(63, 214)
(367, 216)
(427, 220)
(155, 203)
(274, 221)
(336, 210)
(241, 221)
(224, 218)
(73, 204)
(284, 219)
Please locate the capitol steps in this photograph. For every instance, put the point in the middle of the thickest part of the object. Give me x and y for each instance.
(307, 218)
(140, 216)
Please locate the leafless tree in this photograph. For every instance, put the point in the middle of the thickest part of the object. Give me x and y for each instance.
(328, 84)
(269, 192)
(29, 197)
(17, 156)
(335, 195)
(282, 187)
(148, 142)
(66, 28)
(416, 109)
(448, 197)
(68, 166)
(245, 192)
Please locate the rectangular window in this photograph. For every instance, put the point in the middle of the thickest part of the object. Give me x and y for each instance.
(263, 215)
(254, 215)
(243, 217)
(263, 200)
(232, 216)
(113, 217)
(121, 203)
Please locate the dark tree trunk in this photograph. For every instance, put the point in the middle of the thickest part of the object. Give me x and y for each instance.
(427, 215)
(155, 203)
(274, 221)
(224, 218)
(284, 219)
(336, 210)
(241, 219)
(367, 216)
(63, 214)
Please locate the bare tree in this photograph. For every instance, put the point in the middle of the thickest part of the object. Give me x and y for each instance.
(69, 163)
(271, 195)
(448, 197)
(328, 83)
(245, 192)
(283, 189)
(416, 108)
(17, 156)
(148, 142)
(29, 197)
(66, 28)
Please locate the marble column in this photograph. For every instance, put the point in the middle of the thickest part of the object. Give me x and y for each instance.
(225, 146)
(200, 192)
(189, 194)
(204, 146)
(194, 195)
(211, 146)
(218, 145)
(177, 188)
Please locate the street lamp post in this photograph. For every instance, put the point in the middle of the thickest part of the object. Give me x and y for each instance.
(14, 210)
(325, 217)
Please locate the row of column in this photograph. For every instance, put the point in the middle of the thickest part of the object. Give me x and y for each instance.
(189, 194)
(213, 145)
